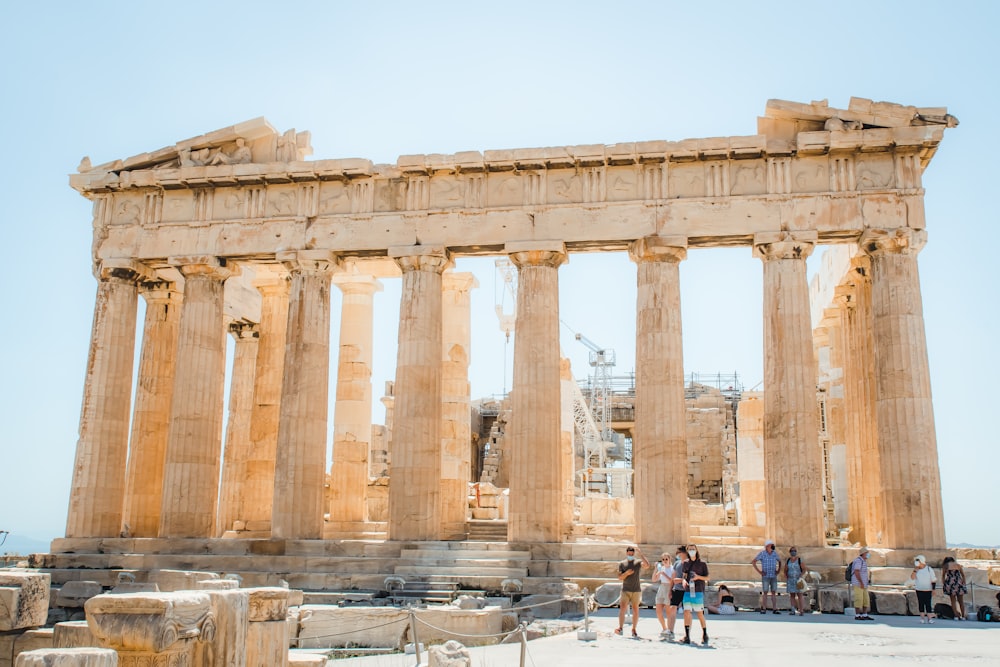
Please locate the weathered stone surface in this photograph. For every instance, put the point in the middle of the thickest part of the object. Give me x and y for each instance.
(322, 626)
(543, 606)
(833, 600)
(24, 600)
(457, 622)
(143, 624)
(608, 594)
(68, 657)
(892, 603)
(169, 581)
(31, 640)
(76, 593)
(217, 585)
(231, 610)
(268, 604)
(301, 659)
(73, 634)
(449, 654)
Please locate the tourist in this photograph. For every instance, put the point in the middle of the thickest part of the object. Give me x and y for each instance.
(924, 581)
(628, 573)
(663, 577)
(695, 574)
(954, 586)
(795, 584)
(859, 581)
(725, 603)
(677, 592)
(769, 569)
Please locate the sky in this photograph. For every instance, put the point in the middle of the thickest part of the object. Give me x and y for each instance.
(383, 79)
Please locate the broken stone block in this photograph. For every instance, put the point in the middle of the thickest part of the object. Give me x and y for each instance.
(68, 657)
(73, 634)
(892, 603)
(449, 654)
(74, 594)
(24, 600)
(832, 600)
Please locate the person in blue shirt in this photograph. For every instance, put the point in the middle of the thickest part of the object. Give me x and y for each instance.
(768, 565)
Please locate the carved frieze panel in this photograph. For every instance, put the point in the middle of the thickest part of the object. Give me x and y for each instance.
(749, 177)
(810, 174)
(127, 209)
(447, 191)
(563, 186)
(386, 195)
(282, 201)
(686, 179)
(231, 204)
(504, 189)
(334, 197)
(622, 183)
(179, 206)
(874, 173)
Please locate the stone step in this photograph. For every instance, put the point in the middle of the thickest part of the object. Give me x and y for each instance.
(464, 554)
(457, 572)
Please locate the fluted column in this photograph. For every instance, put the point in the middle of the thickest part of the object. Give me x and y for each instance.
(97, 492)
(793, 464)
(300, 463)
(910, 477)
(867, 506)
(536, 461)
(151, 416)
(456, 424)
(258, 490)
(352, 421)
(194, 443)
(237, 448)
(660, 434)
(415, 448)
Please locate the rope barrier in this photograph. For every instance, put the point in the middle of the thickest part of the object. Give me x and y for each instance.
(351, 632)
(460, 634)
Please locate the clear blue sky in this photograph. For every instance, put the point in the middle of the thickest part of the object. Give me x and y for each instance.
(379, 80)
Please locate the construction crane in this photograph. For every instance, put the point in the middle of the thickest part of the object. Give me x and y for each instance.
(602, 360)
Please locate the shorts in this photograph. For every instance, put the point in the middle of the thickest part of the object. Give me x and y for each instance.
(726, 609)
(676, 597)
(860, 598)
(633, 598)
(663, 594)
(694, 602)
(769, 584)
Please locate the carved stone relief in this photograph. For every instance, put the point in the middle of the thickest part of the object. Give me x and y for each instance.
(334, 197)
(686, 179)
(810, 174)
(504, 189)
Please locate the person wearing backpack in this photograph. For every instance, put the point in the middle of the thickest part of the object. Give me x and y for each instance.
(859, 583)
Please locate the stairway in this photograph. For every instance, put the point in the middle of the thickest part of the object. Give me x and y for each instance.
(486, 530)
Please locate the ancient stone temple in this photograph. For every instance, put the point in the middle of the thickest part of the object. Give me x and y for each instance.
(236, 233)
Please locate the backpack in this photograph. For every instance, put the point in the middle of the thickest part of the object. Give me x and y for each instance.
(985, 614)
(849, 572)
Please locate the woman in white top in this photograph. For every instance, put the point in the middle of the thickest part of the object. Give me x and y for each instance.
(924, 581)
(663, 574)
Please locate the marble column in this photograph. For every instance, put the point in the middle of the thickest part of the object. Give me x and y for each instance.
(866, 507)
(910, 477)
(415, 447)
(258, 489)
(237, 447)
(456, 423)
(793, 459)
(151, 416)
(300, 462)
(352, 420)
(98, 488)
(194, 443)
(532, 442)
(660, 434)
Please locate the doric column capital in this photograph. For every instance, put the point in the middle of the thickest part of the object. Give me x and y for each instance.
(901, 241)
(658, 249)
(204, 265)
(274, 281)
(537, 253)
(243, 330)
(160, 291)
(319, 262)
(458, 282)
(127, 270)
(783, 245)
(354, 283)
(421, 258)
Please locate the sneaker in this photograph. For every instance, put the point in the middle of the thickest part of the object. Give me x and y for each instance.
(923, 620)
(670, 636)
(866, 617)
(775, 611)
(930, 620)
(686, 640)
(763, 611)
(618, 631)
(704, 639)
(663, 633)
(856, 618)
(635, 635)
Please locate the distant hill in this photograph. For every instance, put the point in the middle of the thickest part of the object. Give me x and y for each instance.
(21, 545)
(966, 545)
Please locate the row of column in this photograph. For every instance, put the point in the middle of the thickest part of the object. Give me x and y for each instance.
(283, 465)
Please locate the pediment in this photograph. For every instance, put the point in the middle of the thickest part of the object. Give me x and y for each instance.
(253, 141)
